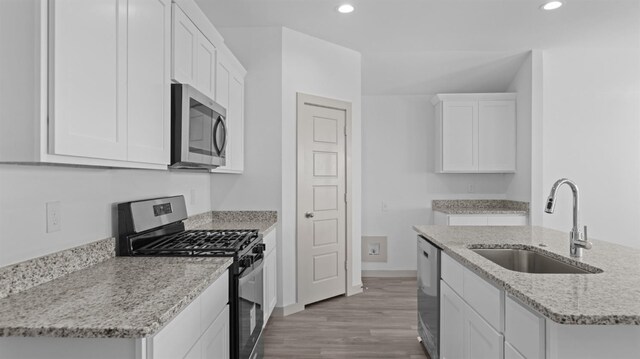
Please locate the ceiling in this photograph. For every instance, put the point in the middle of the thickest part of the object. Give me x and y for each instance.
(429, 46)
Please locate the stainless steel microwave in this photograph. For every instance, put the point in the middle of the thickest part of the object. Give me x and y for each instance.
(198, 129)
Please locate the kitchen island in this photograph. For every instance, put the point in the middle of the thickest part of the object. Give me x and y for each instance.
(596, 314)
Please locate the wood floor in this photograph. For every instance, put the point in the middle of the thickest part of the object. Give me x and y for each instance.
(381, 322)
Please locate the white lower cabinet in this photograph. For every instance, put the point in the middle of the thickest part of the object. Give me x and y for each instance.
(451, 323)
(199, 331)
(464, 333)
(270, 275)
(480, 339)
(214, 343)
(471, 314)
(524, 329)
(444, 219)
(510, 352)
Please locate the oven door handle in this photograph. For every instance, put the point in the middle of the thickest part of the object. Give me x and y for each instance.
(257, 266)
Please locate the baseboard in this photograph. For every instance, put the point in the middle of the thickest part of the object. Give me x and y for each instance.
(288, 310)
(390, 273)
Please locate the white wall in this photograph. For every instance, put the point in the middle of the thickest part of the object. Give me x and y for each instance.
(259, 187)
(591, 134)
(520, 182)
(316, 67)
(398, 168)
(87, 196)
(281, 62)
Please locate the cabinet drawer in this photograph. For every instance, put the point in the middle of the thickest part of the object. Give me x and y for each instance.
(452, 273)
(510, 352)
(524, 329)
(213, 300)
(176, 338)
(486, 299)
(507, 220)
(467, 220)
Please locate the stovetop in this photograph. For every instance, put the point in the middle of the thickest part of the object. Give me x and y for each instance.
(201, 242)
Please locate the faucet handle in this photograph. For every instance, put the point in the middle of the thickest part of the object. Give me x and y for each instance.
(585, 240)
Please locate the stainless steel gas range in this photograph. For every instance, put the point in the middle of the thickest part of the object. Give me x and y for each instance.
(155, 227)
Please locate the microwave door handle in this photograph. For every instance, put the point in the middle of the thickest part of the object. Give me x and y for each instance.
(219, 122)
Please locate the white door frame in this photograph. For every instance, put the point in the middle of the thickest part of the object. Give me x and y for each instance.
(303, 99)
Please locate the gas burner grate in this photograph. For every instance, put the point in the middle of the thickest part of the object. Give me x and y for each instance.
(199, 242)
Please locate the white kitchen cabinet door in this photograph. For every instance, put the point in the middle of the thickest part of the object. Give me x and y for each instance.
(452, 321)
(475, 133)
(459, 136)
(480, 339)
(230, 95)
(184, 44)
(270, 275)
(148, 99)
(205, 80)
(87, 78)
(497, 136)
(510, 352)
(214, 343)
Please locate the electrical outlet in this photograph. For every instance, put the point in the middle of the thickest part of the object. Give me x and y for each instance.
(54, 217)
(470, 188)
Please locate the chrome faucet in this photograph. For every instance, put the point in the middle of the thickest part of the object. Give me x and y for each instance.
(577, 240)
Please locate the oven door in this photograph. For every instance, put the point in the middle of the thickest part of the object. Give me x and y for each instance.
(250, 309)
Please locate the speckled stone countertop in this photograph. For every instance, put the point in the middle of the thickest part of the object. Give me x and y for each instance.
(122, 297)
(263, 221)
(610, 297)
(480, 206)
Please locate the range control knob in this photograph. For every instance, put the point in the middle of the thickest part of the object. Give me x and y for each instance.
(245, 262)
(259, 248)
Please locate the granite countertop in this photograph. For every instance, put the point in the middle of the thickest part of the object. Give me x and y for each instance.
(122, 297)
(480, 206)
(610, 297)
(263, 221)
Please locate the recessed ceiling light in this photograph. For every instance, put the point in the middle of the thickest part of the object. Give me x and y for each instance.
(346, 8)
(551, 5)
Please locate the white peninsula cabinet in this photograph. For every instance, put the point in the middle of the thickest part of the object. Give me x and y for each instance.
(199, 331)
(444, 219)
(480, 320)
(475, 133)
(92, 86)
(270, 277)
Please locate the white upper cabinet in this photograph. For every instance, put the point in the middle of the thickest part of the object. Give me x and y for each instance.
(148, 91)
(184, 45)
(194, 56)
(101, 84)
(475, 133)
(230, 94)
(87, 79)
(497, 136)
(201, 59)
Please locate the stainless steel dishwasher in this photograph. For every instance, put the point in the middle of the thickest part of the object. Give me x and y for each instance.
(429, 296)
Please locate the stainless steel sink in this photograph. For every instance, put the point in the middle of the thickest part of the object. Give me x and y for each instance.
(527, 261)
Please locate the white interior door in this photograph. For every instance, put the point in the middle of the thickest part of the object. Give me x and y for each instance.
(321, 212)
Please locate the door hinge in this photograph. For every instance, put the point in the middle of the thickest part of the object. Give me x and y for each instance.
(345, 197)
(345, 131)
(346, 265)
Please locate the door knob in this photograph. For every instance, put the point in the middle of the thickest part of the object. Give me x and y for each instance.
(308, 215)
